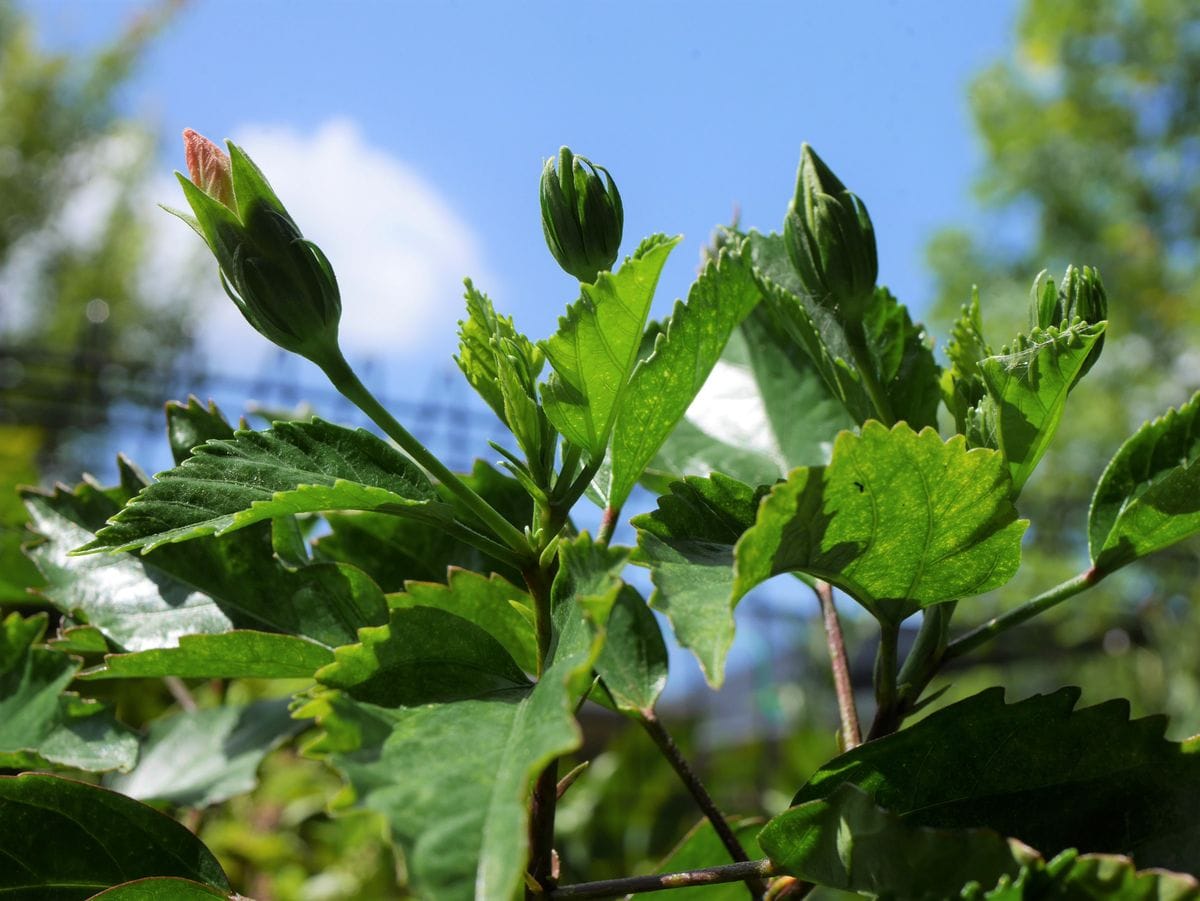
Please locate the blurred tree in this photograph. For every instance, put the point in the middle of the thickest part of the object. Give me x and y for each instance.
(73, 251)
(1091, 141)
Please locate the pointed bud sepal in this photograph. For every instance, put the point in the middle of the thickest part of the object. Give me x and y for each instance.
(1081, 295)
(582, 216)
(831, 241)
(282, 283)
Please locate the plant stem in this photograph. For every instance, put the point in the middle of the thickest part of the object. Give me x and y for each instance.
(692, 782)
(608, 524)
(614, 888)
(840, 664)
(541, 829)
(886, 716)
(857, 339)
(347, 382)
(1031, 608)
(925, 658)
(481, 542)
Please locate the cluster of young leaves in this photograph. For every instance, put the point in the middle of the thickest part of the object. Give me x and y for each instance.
(445, 667)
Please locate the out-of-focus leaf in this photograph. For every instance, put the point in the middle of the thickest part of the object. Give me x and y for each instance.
(190, 425)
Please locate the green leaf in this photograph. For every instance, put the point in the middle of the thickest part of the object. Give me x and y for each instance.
(664, 385)
(898, 520)
(395, 549)
(64, 840)
(160, 889)
(204, 757)
(206, 586)
(452, 772)
(190, 425)
(241, 654)
(596, 346)
(688, 544)
(41, 724)
(845, 841)
(898, 352)
(1027, 387)
(1088, 876)
(702, 847)
(295, 467)
(633, 661)
(1149, 496)
(982, 762)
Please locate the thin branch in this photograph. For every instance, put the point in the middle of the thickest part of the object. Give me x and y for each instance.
(608, 524)
(687, 775)
(1031, 608)
(541, 829)
(840, 663)
(755, 870)
(181, 693)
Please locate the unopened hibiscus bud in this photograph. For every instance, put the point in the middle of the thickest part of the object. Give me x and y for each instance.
(208, 165)
(1082, 295)
(582, 215)
(831, 241)
(282, 283)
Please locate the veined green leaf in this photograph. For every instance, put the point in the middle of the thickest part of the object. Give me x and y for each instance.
(1028, 386)
(1149, 496)
(204, 757)
(596, 346)
(206, 586)
(664, 384)
(241, 654)
(982, 762)
(633, 661)
(42, 724)
(688, 544)
(477, 734)
(899, 520)
(295, 467)
(845, 841)
(190, 425)
(65, 841)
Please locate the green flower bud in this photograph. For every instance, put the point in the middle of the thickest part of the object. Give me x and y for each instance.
(831, 241)
(282, 283)
(1082, 295)
(582, 215)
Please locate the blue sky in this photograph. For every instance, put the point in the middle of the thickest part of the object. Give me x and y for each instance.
(695, 107)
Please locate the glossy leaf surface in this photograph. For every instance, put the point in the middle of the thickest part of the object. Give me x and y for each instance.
(295, 467)
(1149, 496)
(688, 544)
(899, 520)
(596, 346)
(41, 723)
(241, 654)
(64, 840)
(982, 762)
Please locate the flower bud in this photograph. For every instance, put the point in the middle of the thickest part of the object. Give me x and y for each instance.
(831, 241)
(582, 215)
(282, 283)
(1082, 295)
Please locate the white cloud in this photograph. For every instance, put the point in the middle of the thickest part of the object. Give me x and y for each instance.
(400, 252)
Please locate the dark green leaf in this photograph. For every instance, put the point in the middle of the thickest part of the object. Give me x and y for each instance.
(1027, 387)
(633, 661)
(498, 607)
(982, 762)
(190, 425)
(240, 654)
(844, 841)
(41, 724)
(394, 549)
(63, 840)
(1149, 496)
(204, 757)
(206, 586)
(452, 774)
(899, 520)
(688, 544)
(295, 467)
(160, 889)
(700, 848)
(664, 385)
(596, 346)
